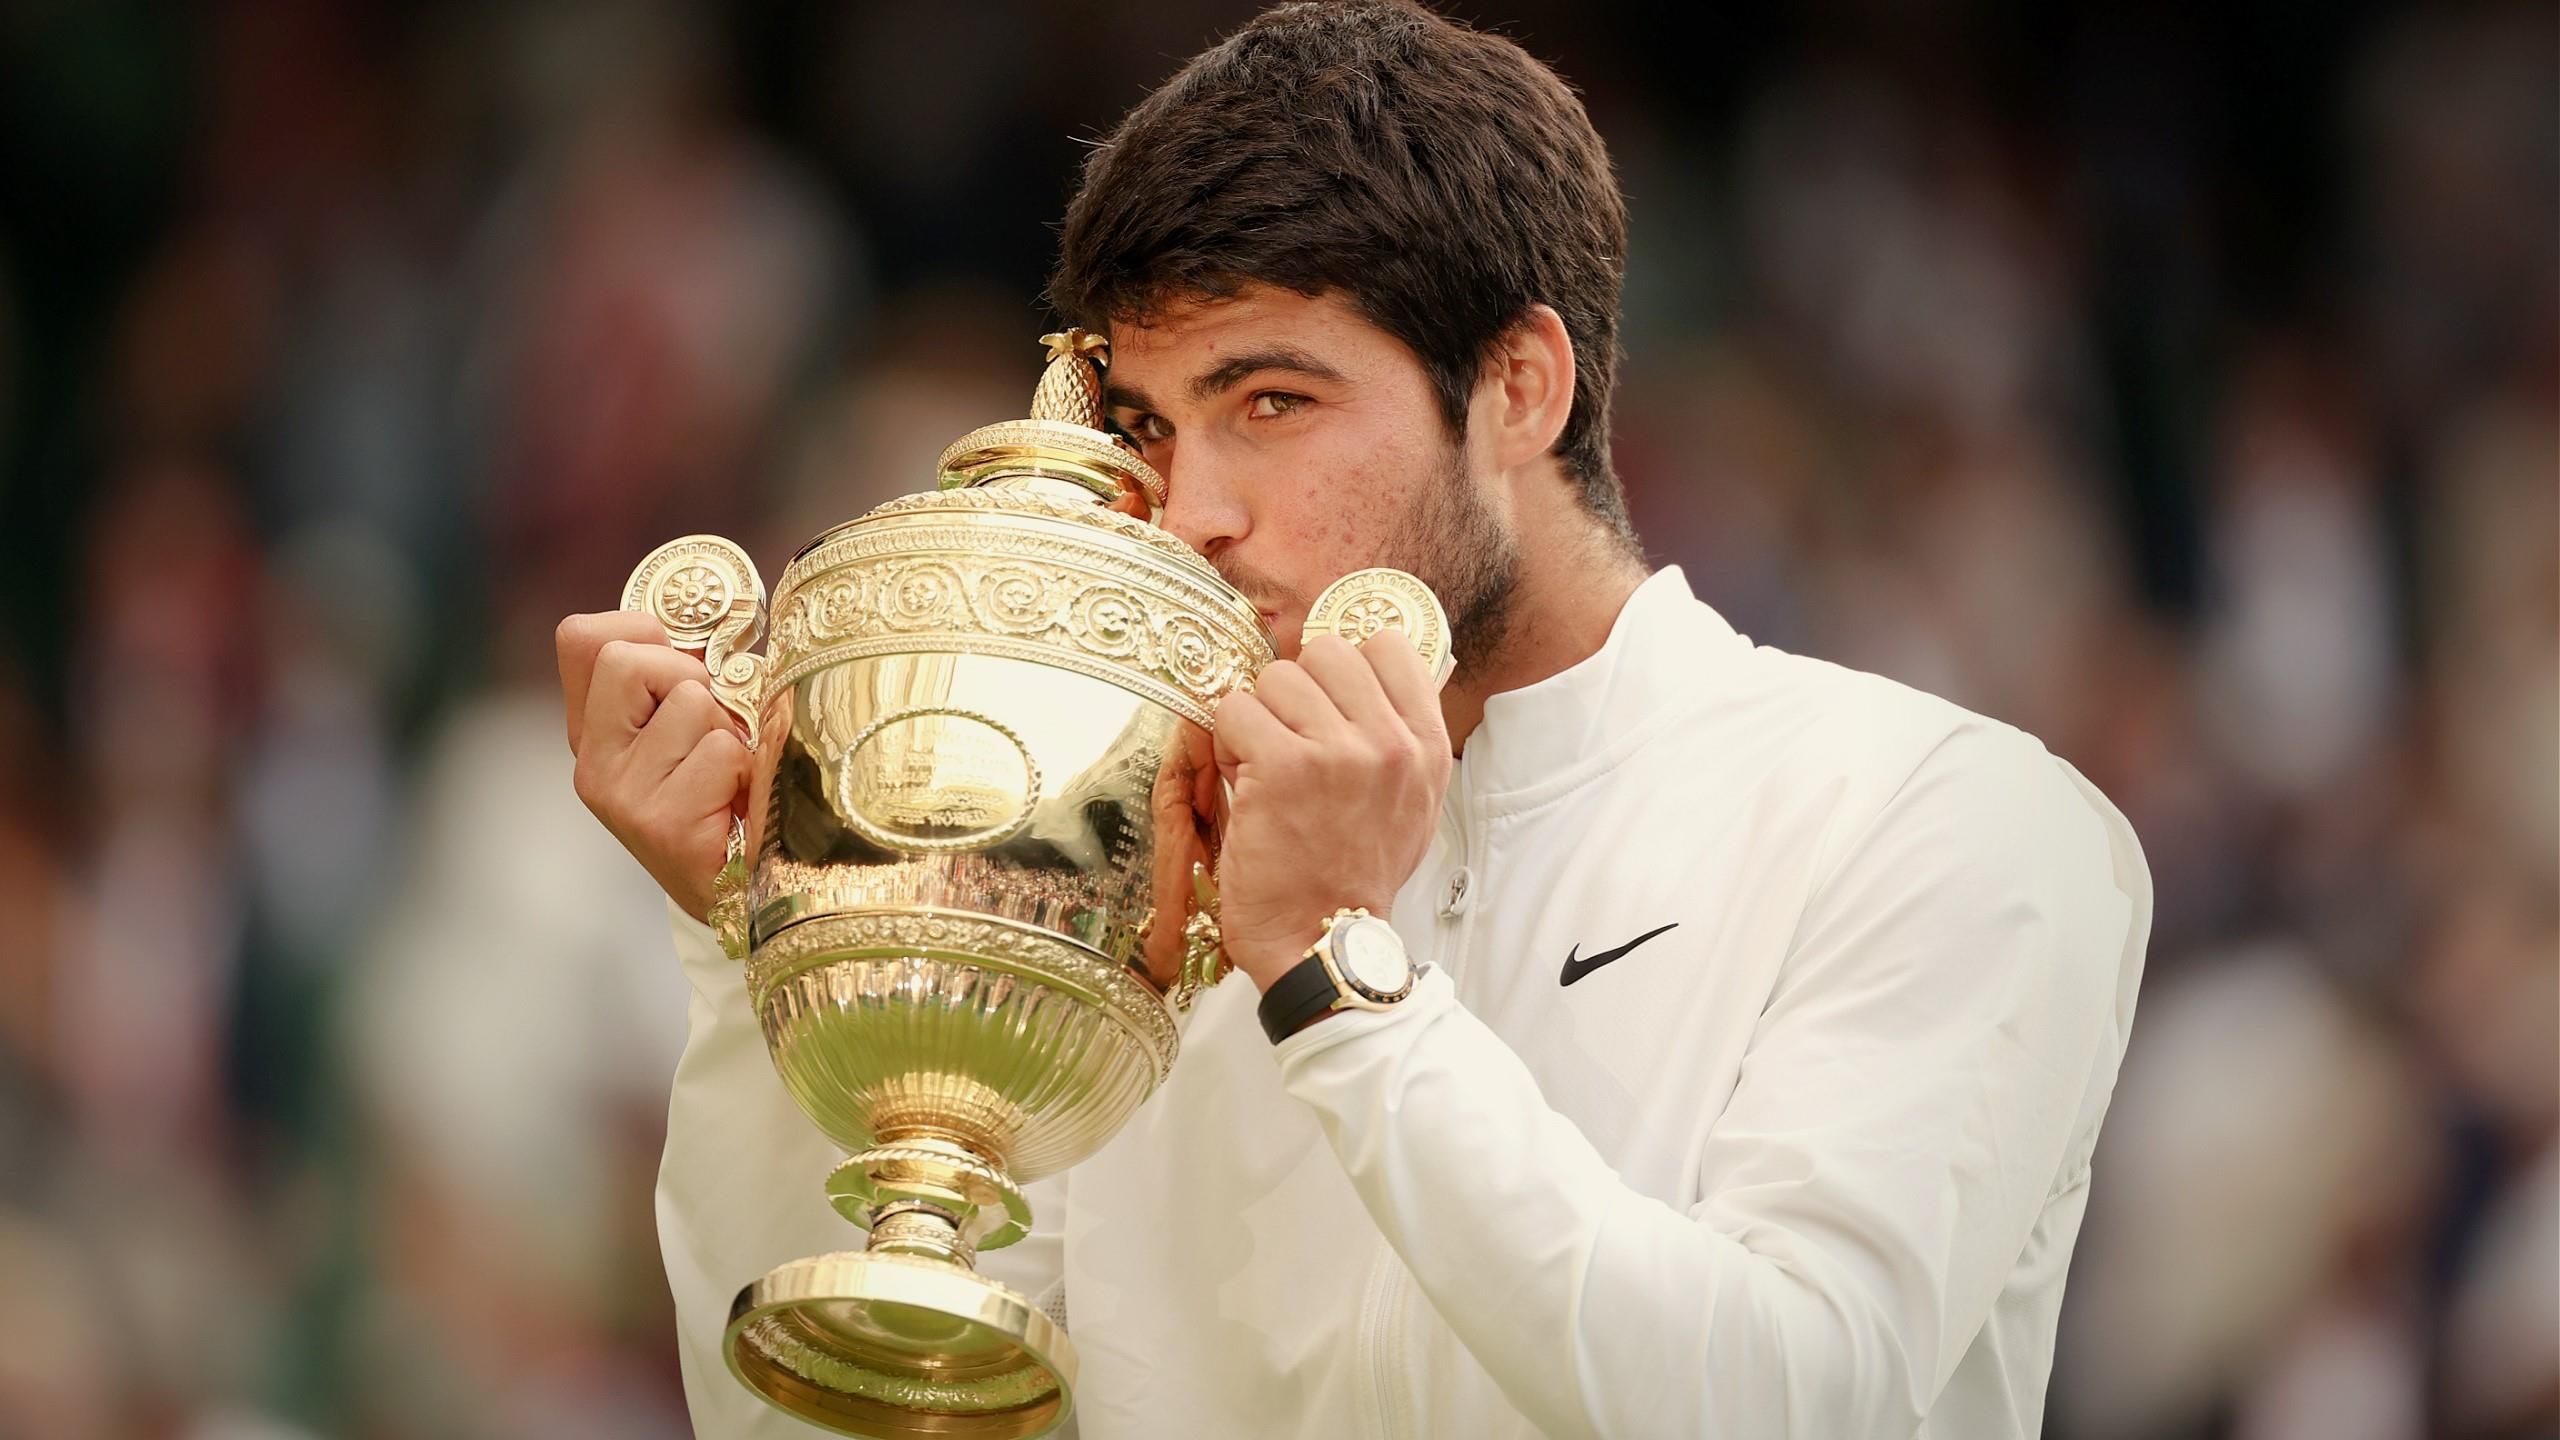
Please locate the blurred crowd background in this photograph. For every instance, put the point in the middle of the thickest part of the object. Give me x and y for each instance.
(2175, 380)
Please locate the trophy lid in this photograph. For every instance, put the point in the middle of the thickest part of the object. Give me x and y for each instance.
(1062, 448)
(886, 1345)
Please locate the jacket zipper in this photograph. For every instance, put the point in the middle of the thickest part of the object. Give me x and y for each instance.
(1382, 1330)
(1448, 935)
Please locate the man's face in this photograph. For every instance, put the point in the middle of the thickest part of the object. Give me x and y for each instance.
(1298, 443)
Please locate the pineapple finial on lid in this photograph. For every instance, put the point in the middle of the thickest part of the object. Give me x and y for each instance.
(1071, 388)
(1066, 446)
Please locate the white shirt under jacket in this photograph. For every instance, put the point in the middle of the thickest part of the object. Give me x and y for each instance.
(1809, 1164)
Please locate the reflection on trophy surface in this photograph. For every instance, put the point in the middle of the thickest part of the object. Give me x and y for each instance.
(971, 886)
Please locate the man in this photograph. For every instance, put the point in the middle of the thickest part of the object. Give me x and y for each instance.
(1768, 1011)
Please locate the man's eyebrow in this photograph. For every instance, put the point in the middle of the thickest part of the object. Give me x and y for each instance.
(1224, 376)
(1211, 383)
(1117, 396)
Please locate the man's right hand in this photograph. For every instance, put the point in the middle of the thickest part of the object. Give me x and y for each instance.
(660, 762)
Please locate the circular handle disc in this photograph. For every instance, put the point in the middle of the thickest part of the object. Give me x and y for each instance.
(1364, 602)
(693, 584)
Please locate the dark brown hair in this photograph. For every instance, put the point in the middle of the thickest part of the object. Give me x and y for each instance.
(1439, 179)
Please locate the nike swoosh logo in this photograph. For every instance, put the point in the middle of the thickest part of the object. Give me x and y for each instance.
(1575, 969)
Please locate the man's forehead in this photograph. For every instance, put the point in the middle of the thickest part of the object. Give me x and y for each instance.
(1258, 310)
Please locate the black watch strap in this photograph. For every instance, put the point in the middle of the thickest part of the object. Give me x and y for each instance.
(1297, 997)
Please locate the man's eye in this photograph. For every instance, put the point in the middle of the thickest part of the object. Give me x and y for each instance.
(1147, 429)
(1271, 404)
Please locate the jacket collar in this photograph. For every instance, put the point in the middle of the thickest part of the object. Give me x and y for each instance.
(1543, 739)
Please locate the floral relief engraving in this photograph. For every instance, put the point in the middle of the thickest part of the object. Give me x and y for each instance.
(1109, 621)
(1372, 614)
(1193, 655)
(1169, 630)
(695, 595)
(840, 607)
(1017, 598)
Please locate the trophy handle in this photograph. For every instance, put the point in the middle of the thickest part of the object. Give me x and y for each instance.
(1356, 607)
(1204, 954)
(706, 592)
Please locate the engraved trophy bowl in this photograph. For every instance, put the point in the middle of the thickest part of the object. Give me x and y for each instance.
(970, 890)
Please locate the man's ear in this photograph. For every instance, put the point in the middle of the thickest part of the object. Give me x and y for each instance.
(1526, 392)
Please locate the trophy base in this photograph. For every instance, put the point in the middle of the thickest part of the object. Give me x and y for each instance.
(892, 1346)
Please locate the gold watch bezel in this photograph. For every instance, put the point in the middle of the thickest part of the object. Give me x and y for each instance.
(1348, 992)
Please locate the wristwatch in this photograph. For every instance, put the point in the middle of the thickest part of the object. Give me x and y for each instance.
(1358, 963)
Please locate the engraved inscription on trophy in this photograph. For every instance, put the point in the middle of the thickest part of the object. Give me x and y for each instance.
(936, 778)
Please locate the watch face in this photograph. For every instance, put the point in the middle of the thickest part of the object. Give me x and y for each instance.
(1371, 956)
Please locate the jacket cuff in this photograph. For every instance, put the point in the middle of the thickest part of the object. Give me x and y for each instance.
(1308, 1059)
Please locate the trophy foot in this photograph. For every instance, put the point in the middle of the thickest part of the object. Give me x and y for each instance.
(898, 1346)
(904, 1338)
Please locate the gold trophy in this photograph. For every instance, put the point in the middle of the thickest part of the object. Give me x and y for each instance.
(972, 887)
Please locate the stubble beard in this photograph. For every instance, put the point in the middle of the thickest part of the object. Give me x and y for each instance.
(1462, 549)
(1453, 542)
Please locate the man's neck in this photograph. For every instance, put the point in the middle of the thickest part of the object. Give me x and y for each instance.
(1575, 576)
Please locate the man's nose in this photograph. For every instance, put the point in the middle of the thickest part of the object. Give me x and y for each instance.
(1204, 506)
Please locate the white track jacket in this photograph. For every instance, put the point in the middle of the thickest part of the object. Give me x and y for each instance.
(1798, 1153)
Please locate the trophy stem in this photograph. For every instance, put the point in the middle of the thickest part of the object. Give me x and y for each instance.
(927, 1195)
(912, 1228)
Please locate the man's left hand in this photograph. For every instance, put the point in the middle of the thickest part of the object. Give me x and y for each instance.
(1337, 760)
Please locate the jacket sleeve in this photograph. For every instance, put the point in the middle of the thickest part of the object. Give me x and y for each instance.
(1933, 1059)
(742, 1188)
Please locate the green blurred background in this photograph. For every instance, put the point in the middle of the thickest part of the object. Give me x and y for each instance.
(2174, 380)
